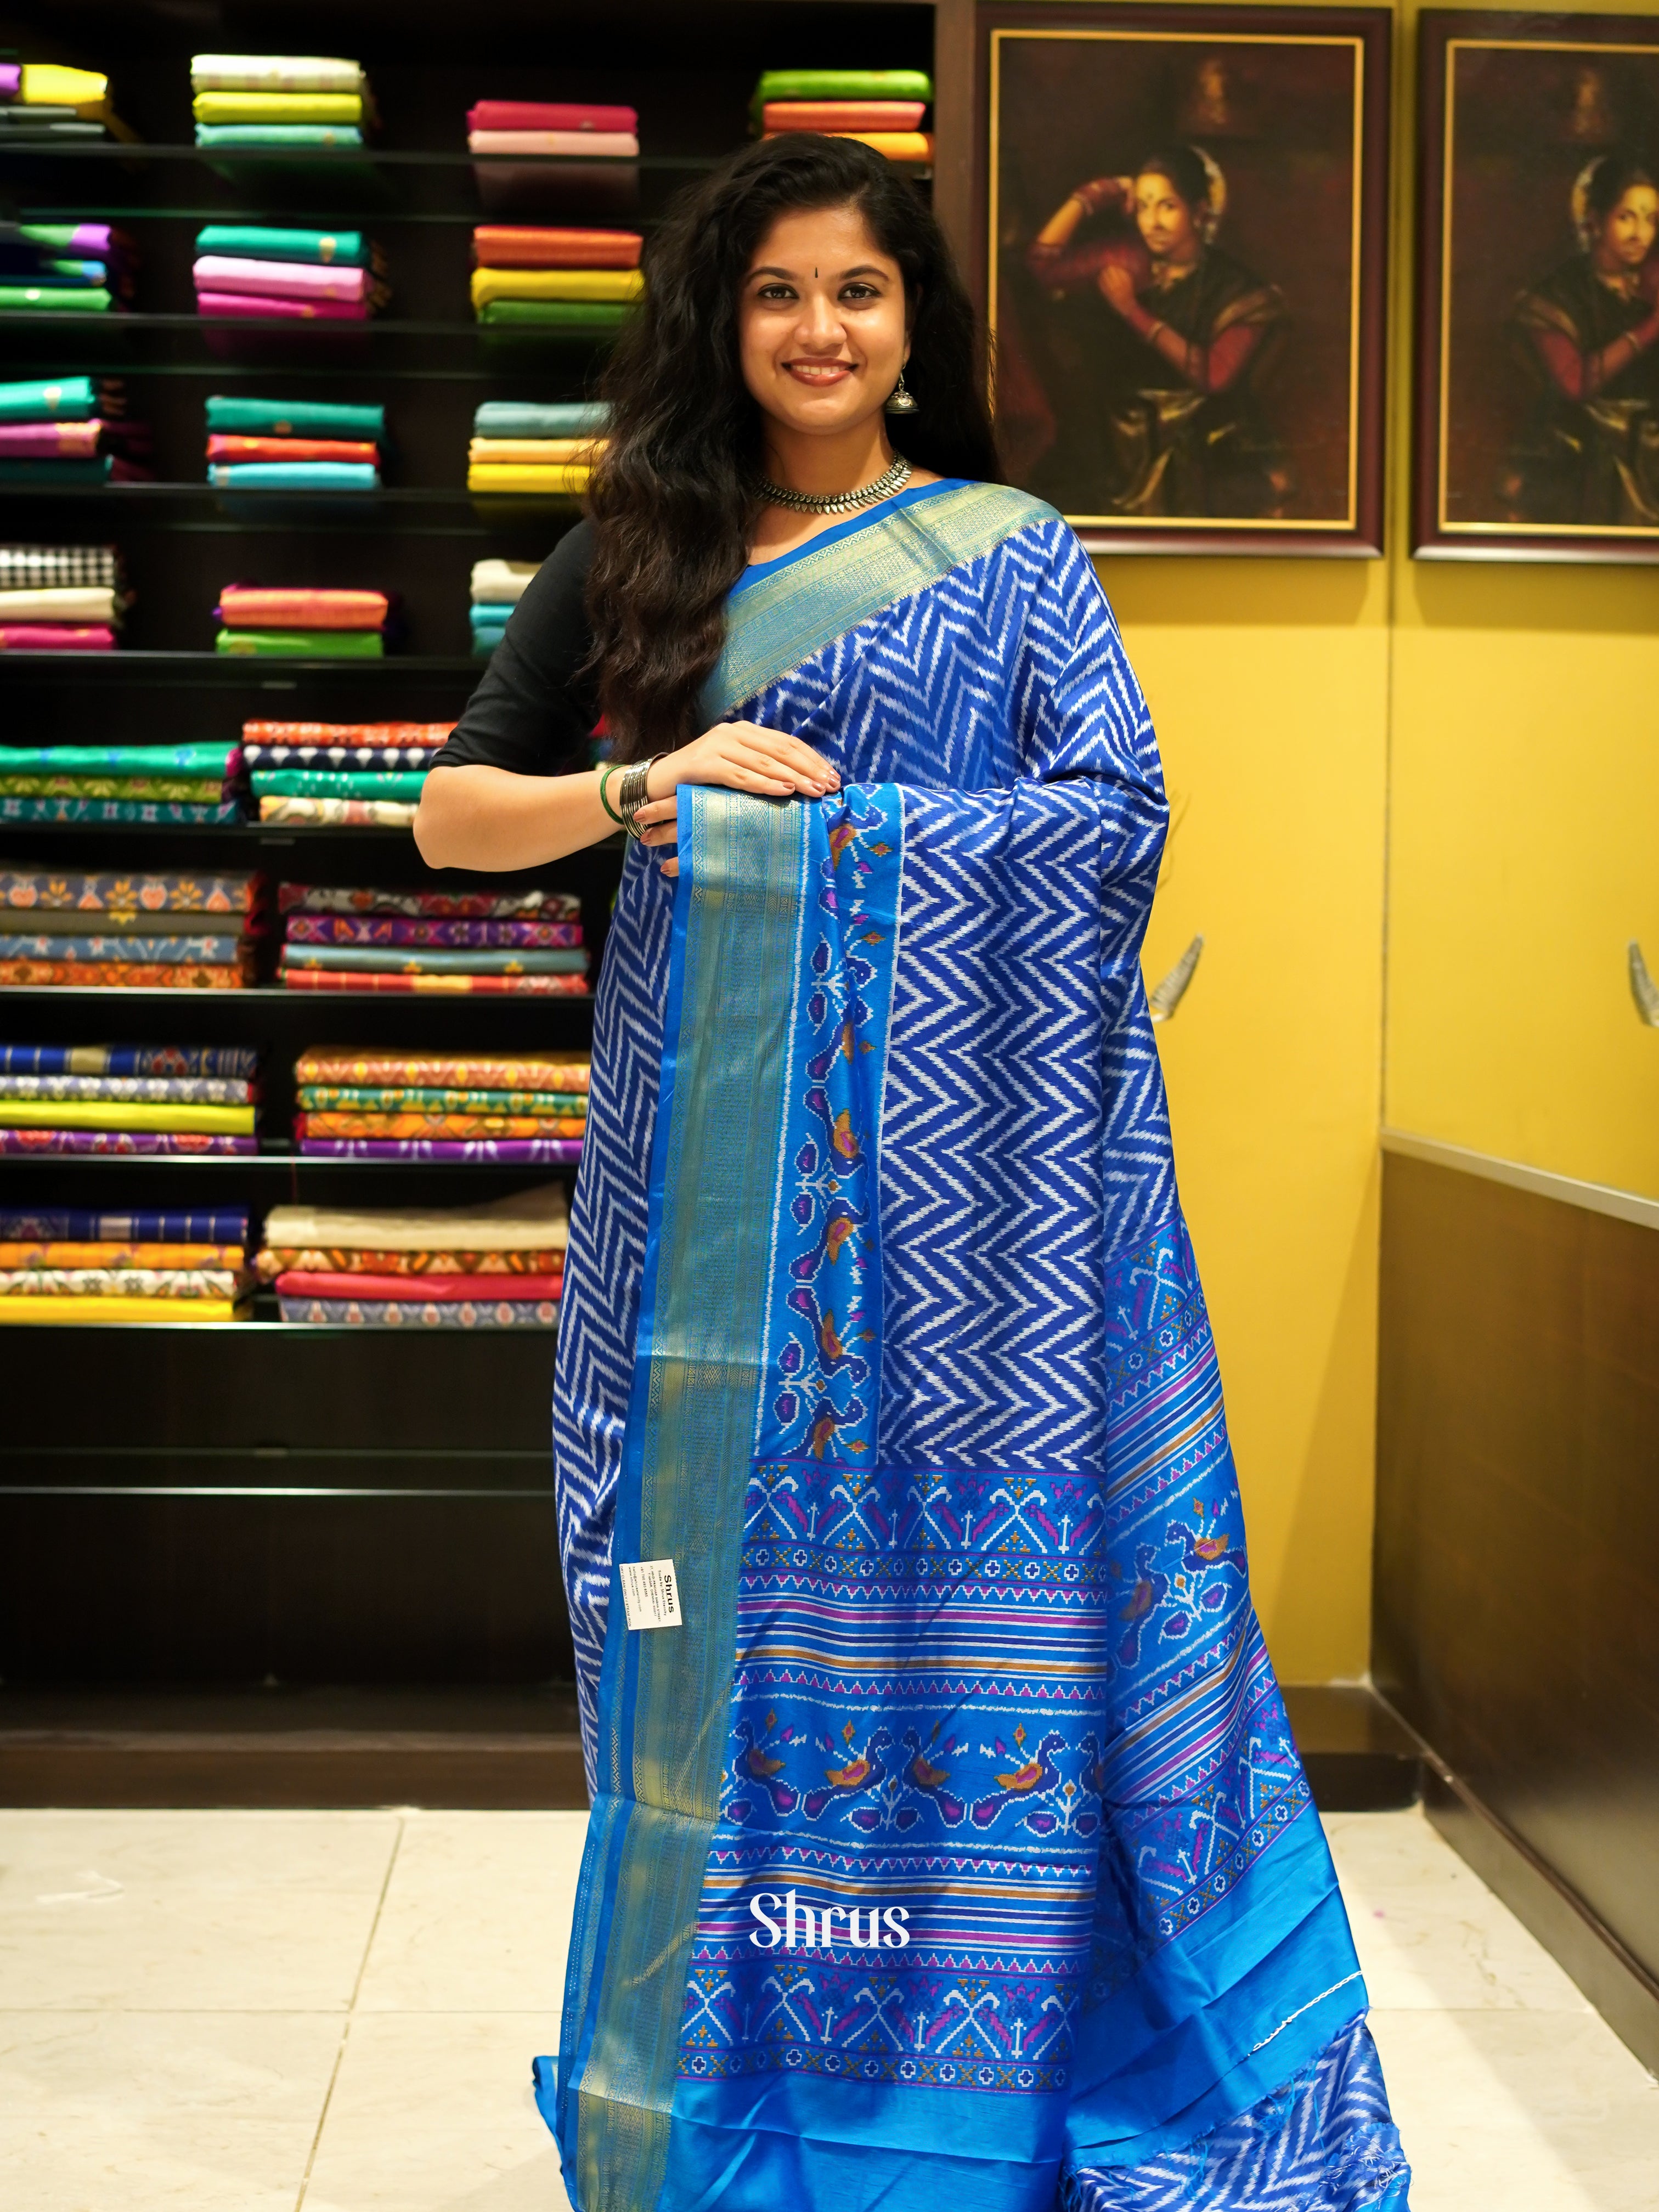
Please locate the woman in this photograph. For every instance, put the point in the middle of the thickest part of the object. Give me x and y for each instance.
(1170, 369)
(947, 1832)
(1587, 332)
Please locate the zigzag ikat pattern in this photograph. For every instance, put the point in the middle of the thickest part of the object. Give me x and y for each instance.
(1324, 2142)
(1007, 678)
(598, 1313)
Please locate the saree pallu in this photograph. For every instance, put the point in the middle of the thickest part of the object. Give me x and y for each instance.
(950, 1841)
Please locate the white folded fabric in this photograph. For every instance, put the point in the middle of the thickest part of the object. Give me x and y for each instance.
(501, 583)
(273, 73)
(532, 1221)
(82, 604)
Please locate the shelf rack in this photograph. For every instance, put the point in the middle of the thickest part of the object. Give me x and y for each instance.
(189, 1503)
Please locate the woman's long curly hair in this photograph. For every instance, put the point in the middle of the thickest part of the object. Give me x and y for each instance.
(673, 499)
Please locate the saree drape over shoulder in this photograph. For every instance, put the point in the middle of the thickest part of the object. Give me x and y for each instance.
(952, 1847)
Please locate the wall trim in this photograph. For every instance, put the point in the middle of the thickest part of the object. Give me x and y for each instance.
(1567, 1190)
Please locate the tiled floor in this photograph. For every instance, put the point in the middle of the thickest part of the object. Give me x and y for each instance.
(256, 2012)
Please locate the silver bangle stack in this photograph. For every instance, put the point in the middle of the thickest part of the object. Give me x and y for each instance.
(631, 793)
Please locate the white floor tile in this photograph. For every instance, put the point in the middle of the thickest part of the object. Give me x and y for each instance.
(434, 2113)
(1429, 1932)
(1516, 2111)
(477, 1914)
(188, 1911)
(110, 2111)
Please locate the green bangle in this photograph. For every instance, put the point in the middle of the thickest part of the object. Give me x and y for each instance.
(605, 774)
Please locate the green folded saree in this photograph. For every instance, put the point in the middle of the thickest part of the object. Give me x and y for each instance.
(338, 783)
(591, 316)
(303, 644)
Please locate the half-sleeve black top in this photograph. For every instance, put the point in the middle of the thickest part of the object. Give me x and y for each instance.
(533, 712)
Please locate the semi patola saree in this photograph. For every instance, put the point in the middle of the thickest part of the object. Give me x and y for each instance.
(948, 1842)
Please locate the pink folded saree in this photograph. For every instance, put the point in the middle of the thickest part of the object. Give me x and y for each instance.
(286, 280)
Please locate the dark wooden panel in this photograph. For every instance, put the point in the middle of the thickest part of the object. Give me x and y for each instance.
(1517, 1616)
(260, 1388)
(301, 1589)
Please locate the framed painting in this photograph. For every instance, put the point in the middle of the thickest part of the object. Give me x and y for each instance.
(1185, 270)
(1537, 399)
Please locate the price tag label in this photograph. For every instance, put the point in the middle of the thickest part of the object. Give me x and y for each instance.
(651, 1594)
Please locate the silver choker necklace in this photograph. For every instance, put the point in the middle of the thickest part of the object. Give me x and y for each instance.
(838, 502)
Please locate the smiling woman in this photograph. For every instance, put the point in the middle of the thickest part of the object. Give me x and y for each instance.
(883, 1359)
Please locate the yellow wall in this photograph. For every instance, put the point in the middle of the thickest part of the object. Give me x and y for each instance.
(1415, 819)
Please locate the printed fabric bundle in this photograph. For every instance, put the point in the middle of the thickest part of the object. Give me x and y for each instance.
(280, 101)
(497, 1266)
(60, 598)
(497, 588)
(76, 1266)
(65, 268)
(306, 623)
(128, 1099)
(199, 785)
(518, 446)
(884, 108)
(356, 775)
(295, 445)
(46, 101)
(501, 943)
(176, 931)
(71, 429)
(251, 268)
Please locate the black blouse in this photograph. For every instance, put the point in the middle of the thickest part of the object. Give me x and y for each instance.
(532, 712)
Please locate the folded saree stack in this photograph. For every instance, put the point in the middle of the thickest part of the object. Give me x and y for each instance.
(278, 100)
(566, 279)
(561, 157)
(884, 108)
(301, 623)
(70, 430)
(251, 268)
(497, 1266)
(294, 445)
(487, 944)
(128, 1098)
(173, 930)
(197, 785)
(73, 1266)
(358, 775)
(526, 1109)
(553, 127)
(519, 446)
(65, 268)
(46, 101)
(497, 588)
(60, 598)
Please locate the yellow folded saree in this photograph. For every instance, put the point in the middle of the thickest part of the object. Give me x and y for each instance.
(80, 1310)
(124, 1113)
(544, 452)
(615, 285)
(569, 479)
(277, 106)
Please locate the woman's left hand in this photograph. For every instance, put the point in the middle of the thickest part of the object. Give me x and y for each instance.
(1118, 288)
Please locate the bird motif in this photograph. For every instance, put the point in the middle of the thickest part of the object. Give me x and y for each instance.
(1150, 1591)
(1038, 1772)
(843, 1223)
(923, 1775)
(863, 1771)
(842, 834)
(1199, 1553)
(755, 1764)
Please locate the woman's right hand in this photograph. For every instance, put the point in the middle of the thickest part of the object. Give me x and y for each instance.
(741, 756)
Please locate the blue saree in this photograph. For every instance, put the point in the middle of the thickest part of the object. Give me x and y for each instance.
(953, 1841)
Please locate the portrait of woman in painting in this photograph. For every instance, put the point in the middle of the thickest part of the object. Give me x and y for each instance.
(1170, 340)
(1587, 333)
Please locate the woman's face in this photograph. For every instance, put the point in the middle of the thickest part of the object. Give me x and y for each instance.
(1164, 219)
(822, 322)
(1627, 230)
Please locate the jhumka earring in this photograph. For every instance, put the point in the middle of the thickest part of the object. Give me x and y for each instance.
(899, 401)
